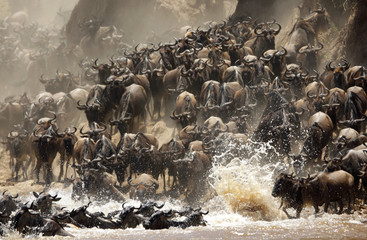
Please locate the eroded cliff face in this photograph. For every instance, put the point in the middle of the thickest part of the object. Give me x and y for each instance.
(353, 37)
(141, 20)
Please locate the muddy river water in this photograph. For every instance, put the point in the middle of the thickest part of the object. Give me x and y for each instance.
(241, 208)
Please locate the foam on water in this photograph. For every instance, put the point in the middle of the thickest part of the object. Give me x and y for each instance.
(244, 182)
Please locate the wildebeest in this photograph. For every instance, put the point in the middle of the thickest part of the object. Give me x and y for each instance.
(159, 220)
(264, 37)
(63, 82)
(66, 116)
(307, 56)
(10, 115)
(276, 60)
(132, 104)
(143, 187)
(189, 134)
(170, 151)
(209, 96)
(46, 144)
(43, 202)
(20, 152)
(322, 189)
(334, 77)
(355, 107)
(279, 122)
(101, 101)
(192, 171)
(27, 222)
(100, 184)
(334, 105)
(186, 108)
(66, 149)
(8, 204)
(320, 128)
(305, 31)
(352, 163)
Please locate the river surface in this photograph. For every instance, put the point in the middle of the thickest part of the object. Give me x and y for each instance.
(241, 208)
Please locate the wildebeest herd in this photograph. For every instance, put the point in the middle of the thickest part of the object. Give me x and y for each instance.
(215, 85)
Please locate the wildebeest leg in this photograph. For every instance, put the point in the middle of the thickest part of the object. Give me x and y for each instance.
(48, 173)
(326, 206)
(33, 162)
(316, 207)
(26, 166)
(147, 109)
(12, 166)
(298, 212)
(341, 206)
(24, 169)
(17, 166)
(74, 166)
(164, 180)
(38, 169)
(62, 160)
(350, 200)
(174, 181)
(67, 166)
(286, 213)
(157, 106)
(335, 207)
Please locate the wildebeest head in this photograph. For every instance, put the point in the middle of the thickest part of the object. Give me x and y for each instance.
(43, 203)
(95, 132)
(334, 164)
(123, 123)
(69, 139)
(186, 104)
(8, 204)
(166, 52)
(283, 183)
(266, 33)
(128, 217)
(159, 220)
(104, 70)
(277, 60)
(143, 190)
(189, 134)
(354, 111)
(147, 209)
(338, 73)
(319, 19)
(196, 219)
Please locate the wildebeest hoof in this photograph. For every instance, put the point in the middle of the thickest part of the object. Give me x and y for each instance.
(317, 215)
(349, 211)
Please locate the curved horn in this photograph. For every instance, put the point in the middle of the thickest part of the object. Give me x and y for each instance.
(52, 119)
(81, 107)
(42, 80)
(133, 185)
(257, 32)
(84, 133)
(277, 30)
(75, 129)
(282, 53)
(329, 67)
